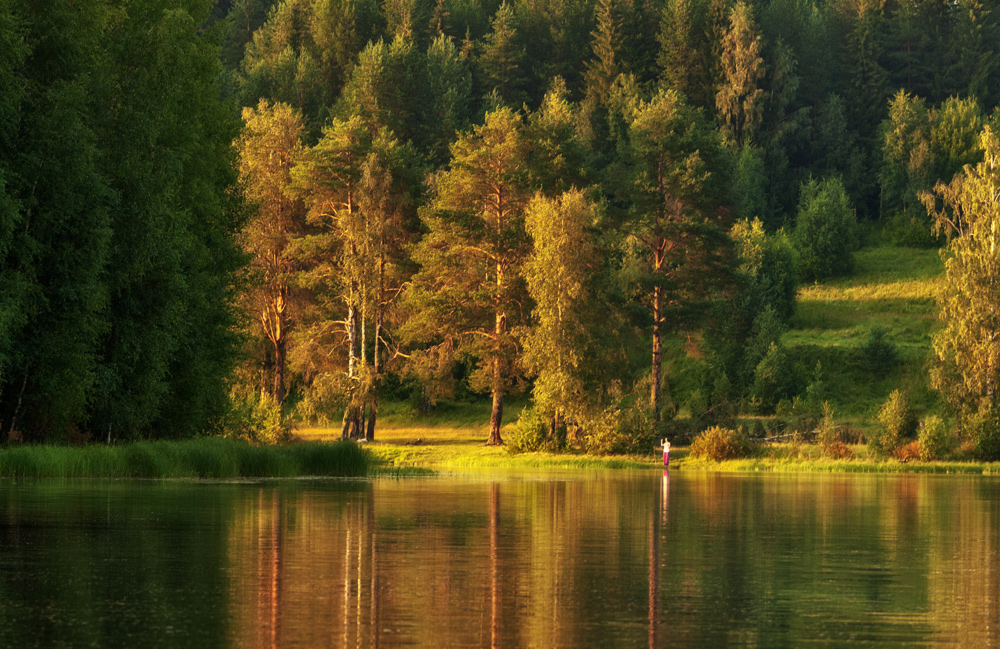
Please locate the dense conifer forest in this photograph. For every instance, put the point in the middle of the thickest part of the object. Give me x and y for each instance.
(226, 215)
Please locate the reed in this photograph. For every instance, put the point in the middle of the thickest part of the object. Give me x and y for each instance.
(208, 457)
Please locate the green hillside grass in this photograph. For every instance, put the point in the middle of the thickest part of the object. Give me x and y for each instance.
(893, 288)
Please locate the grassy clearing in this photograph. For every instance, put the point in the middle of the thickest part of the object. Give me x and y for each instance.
(454, 436)
(893, 288)
(198, 458)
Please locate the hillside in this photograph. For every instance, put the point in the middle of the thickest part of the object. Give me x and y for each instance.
(891, 287)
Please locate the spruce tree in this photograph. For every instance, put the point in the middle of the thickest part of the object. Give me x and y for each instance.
(501, 59)
(740, 98)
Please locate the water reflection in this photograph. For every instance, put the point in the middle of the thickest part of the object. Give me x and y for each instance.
(556, 560)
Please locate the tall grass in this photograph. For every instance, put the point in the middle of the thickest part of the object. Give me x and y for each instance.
(197, 458)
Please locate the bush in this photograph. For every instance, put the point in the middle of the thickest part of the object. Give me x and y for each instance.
(897, 422)
(624, 429)
(720, 444)
(839, 451)
(774, 379)
(826, 434)
(878, 354)
(905, 229)
(534, 433)
(253, 419)
(935, 439)
(907, 452)
(826, 231)
(982, 431)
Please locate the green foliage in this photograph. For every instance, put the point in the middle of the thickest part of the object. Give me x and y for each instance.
(502, 58)
(469, 293)
(624, 428)
(117, 248)
(773, 378)
(740, 98)
(966, 348)
(253, 419)
(982, 430)
(935, 438)
(826, 231)
(829, 438)
(197, 458)
(878, 354)
(719, 444)
(533, 433)
(897, 422)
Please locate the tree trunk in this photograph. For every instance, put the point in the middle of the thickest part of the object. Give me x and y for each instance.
(370, 432)
(279, 372)
(350, 416)
(496, 416)
(377, 353)
(655, 396)
(345, 424)
(499, 329)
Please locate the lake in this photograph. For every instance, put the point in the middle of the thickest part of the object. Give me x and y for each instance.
(554, 559)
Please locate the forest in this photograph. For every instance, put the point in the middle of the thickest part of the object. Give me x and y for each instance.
(232, 215)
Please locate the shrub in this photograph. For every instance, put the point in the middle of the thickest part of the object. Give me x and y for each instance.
(839, 451)
(625, 428)
(982, 430)
(825, 235)
(907, 452)
(897, 422)
(935, 439)
(534, 433)
(253, 419)
(826, 434)
(774, 379)
(720, 444)
(878, 354)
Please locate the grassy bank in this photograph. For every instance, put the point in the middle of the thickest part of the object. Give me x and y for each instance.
(197, 458)
(454, 436)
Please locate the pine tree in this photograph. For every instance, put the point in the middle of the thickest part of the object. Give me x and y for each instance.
(559, 153)
(678, 170)
(469, 292)
(449, 97)
(973, 64)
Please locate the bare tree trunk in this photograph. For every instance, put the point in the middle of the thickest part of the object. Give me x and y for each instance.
(499, 329)
(350, 417)
(279, 372)
(377, 353)
(377, 369)
(655, 392)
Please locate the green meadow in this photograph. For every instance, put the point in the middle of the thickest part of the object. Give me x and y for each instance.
(892, 288)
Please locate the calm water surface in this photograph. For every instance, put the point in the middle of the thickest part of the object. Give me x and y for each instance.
(528, 560)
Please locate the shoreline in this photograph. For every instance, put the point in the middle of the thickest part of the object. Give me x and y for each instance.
(398, 456)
